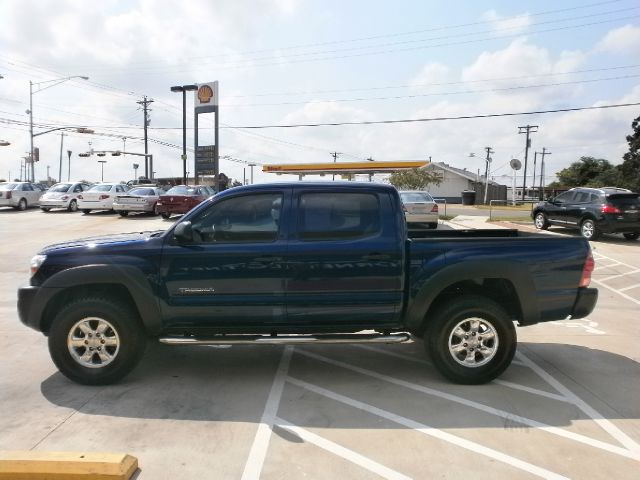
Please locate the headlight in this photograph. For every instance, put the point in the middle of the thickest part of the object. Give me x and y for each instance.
(36, 263)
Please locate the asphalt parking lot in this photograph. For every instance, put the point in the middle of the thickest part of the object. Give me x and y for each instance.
(567, 408)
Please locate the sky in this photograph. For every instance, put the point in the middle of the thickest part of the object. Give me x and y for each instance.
(287, 62)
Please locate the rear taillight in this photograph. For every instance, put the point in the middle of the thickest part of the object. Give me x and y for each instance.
(608, 208)
(104, 197)
(8, 194)
(587, 270)
(435, 208)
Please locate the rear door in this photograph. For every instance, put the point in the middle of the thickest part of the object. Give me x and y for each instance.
(346, 259)
(576, 208)
(232, 275)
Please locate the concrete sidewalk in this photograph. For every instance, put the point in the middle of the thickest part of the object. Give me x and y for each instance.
(462, 222)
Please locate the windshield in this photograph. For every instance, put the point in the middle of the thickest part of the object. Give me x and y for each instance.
(415, 197)
(142, 192)
(61, 187)
(181, 190)
(8, 186)
(100, 188)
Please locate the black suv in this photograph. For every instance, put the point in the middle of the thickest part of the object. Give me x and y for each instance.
(593, 210)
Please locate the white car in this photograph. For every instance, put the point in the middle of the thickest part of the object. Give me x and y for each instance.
(100, 196)
(63, 195)
(419, 208)
(20, 195)
(138, 199)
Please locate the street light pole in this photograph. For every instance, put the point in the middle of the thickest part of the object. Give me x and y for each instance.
(102, 162)
(31, 84)
(61, 144)
(69, 170)
(184, 89)
(252, 165)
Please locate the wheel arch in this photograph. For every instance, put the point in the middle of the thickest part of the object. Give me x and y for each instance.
(124, 283)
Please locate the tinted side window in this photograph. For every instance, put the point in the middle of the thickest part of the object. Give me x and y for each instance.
(565, 197)
(77, 189)
(27, 188)
(250, 218)
(338, 216)
(581, 197)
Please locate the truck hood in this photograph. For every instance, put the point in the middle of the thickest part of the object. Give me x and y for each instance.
(119, 239)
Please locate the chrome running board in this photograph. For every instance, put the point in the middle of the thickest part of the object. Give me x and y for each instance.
(287, 339)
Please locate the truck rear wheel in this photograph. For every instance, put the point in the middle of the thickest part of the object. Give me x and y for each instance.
(96, 341)
(471, 340)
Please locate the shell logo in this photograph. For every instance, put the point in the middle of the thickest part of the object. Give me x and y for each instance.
(205, 92)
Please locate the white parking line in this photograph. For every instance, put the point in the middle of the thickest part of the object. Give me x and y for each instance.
(258, 451)
(341, 451)
(622, 294)
(482, 407)
(613, 277)
(427, 430)
(606, 425)
(631, 287)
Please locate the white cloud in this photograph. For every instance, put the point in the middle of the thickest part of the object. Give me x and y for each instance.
(623, 40)
(516, 24)
(432, 72)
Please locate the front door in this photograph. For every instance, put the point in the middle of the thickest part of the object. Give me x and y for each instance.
(557, 208)
(232, 274)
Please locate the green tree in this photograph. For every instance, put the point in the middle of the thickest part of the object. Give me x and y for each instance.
(414, 179)
(589, 172)
(630, 167)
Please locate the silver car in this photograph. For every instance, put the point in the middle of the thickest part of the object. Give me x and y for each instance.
(138, 199)
(20, 195)
(419, 208)
(63, 195)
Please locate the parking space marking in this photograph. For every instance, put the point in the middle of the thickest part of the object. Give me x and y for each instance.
(605, 424)
(603, 282)
(341, 451)
(588, 325)
(624, 452)
(258, 451)
(622, 294)
(620, 275)
(430, 431)
(629, 288)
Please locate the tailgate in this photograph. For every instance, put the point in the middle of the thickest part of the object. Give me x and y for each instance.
(628, 204)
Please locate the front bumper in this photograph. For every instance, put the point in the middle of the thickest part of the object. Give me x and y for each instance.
(585, 302)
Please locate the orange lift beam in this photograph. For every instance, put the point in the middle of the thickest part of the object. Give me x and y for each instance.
(343, 168)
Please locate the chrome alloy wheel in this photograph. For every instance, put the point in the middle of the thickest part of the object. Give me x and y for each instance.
(587, 229)
(539, 221)
(93, 342)
(473, 342)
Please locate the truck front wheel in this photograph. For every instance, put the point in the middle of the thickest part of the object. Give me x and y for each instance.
(471, 340)
(96, 341)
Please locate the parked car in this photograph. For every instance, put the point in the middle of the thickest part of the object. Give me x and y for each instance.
(100, 197)
(139, 199)
(419, 208)
(63, 195)
(302, 263)
(592, 210)
(181, 198)
(20, 195)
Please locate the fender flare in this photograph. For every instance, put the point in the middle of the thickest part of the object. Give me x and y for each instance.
(517, 273)
(132, 278)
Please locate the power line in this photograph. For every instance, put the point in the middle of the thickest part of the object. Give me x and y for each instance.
(437, 119)
(435, 94)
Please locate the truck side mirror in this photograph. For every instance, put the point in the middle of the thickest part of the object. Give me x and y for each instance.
(183, 232)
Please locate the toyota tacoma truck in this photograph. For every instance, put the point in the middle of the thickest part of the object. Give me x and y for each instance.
(303, 263)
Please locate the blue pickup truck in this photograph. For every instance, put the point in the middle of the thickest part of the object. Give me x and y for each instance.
(302, 263)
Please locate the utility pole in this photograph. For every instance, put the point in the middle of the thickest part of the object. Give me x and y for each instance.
(60, 169)
(335, 159)
(486, 172)
(102, 162)
(252, 165)
(145, 103)
(48, 174)
(526, 129)
(535, 157)
(69, 170)
(544, 152)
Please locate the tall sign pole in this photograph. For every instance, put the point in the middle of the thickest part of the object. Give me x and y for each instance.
(207, 161)
(526, 129)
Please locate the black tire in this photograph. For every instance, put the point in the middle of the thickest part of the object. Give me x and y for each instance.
(165, 215)
(45, 209)
(589, 229)
(154, 211)
(86, 211)
(631, 236)
(123, 213)
(124, 326)
(500, 340)
(73, 206)
(541, 221)
(22, 205)
(433, 226)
